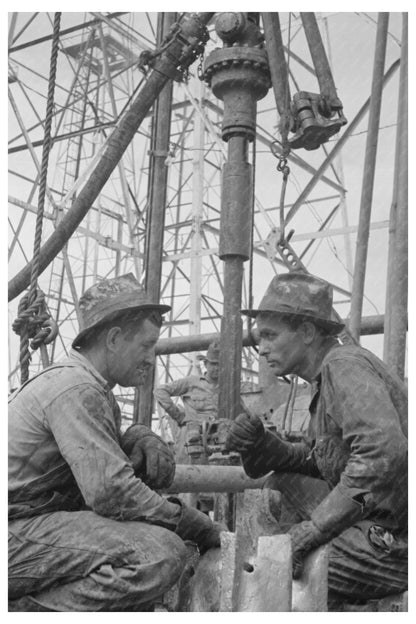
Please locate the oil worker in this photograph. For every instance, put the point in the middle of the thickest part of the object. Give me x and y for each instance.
(87, 530)
(199, 394)
(348, 483)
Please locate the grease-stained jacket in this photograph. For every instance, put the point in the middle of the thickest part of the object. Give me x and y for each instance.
(358, 437)
(64, 450)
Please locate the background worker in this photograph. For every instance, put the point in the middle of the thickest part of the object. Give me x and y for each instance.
(85, 533)
(348, 483)
(199, 394)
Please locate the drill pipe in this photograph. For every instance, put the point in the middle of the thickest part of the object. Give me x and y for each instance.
(116, 146)
(202, 478)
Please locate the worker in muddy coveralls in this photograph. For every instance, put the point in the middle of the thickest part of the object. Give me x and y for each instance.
(348, 483)
(87, 531)
(199, 394)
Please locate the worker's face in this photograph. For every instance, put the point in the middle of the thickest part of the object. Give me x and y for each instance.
(212, 369)
(133, 355)
(283, 347)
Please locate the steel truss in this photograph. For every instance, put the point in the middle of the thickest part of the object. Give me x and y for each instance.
(97, 78)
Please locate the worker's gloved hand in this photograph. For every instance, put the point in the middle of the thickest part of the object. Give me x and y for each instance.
(305, 537)
(152, 459)
(244, 432)
(197, 527)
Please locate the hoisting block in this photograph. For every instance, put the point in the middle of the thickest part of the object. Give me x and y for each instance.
(310, 592)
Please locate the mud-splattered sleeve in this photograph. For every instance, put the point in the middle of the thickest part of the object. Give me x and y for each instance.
(85, 430)
(359, 402)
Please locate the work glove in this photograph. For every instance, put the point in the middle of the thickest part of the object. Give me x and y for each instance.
(337, 512)
(245, 432)
(197, 527)
(305, 537)
(262, 451)
(153, 461)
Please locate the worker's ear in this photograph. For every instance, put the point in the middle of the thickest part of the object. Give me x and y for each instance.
(308, 331)
(113, 337)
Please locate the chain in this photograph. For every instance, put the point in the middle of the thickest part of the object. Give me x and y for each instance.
(282, 155)
(200, 68)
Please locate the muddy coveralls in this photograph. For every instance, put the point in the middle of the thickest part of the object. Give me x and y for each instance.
(352, 473)
(84, 533)
(200, 400)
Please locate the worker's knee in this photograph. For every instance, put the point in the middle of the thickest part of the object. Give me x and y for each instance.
(172, 558)
(356, 569)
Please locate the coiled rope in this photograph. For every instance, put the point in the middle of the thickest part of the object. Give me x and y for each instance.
(32, 321)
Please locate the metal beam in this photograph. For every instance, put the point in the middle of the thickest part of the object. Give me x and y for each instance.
(64, 32)
(371, 325)
(363, 234)
(397, 285)
(157, 191)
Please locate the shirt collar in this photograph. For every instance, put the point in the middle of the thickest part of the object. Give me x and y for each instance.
(326, 348)
(204, 378)
(85, 363)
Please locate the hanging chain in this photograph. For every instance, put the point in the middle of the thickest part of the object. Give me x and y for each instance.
(281, 149)
(200, 68)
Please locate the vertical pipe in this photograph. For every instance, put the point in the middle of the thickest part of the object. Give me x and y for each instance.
(231, 324)
(156, 208)
(120, 166)
(120, 241)
(397, 283)
(197, 206)
(231, 335)
(368, 177)
(176, 238)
